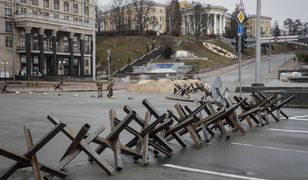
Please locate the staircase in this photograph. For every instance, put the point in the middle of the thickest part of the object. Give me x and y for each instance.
(145, 59)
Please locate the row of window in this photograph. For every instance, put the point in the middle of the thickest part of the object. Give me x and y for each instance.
(56, 6)
(56, 16)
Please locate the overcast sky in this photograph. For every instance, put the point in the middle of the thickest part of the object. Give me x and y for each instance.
(277, 9)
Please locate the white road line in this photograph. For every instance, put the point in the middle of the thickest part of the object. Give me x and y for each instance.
(269, 147)
(297, 119)
(211, 172)
(289, 131)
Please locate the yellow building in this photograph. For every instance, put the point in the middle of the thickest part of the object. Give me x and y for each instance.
(156, 21)
(266, 26)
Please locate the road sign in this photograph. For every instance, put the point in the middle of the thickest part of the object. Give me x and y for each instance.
(240, 29)
(241, 17)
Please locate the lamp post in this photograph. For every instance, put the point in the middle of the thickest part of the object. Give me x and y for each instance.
(109, 62)
(5, 63)
(258, 44)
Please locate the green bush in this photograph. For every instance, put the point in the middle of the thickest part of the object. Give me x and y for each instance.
(168, 52)
(302, 56)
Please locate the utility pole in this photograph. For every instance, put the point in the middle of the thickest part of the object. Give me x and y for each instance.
(240, 64)
(94, 43)
(258, 44)
(270, 56)
(285, 51)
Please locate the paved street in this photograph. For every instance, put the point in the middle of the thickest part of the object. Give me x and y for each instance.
(277, 151)
(229, 75)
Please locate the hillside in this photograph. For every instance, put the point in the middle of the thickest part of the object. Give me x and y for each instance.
(125, 49)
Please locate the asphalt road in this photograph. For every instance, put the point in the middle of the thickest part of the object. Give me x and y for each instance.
(230, 78)
(277, 151)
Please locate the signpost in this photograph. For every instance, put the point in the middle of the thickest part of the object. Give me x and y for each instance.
(241, 17)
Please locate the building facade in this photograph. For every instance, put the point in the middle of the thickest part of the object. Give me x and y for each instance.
(125, 17)
(48, 37)
(251, 24)
(266, 26)
(212, 18)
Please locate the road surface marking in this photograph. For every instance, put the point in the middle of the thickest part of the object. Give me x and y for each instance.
(211, 172)
(289, 131)
(270, 147)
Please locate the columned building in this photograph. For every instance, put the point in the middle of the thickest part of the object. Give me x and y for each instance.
(51, 37)
(211, 18)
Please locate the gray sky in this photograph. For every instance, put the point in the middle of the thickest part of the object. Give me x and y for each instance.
(277, 9)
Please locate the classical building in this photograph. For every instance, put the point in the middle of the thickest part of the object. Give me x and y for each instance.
(212, 18)
(251, 23)
(47, 37)
(127, 18)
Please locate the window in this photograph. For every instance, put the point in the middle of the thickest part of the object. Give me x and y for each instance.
(23, 10)
(75, 8)
(66, 6)
(9, 41)
(56, 4)
(86, 10)
(46, 3)
(75, 18)
(76, 62)
(86, 20)
(8, 10)
(35, 60)
(23, 59)
(66, 17)
(86, 1)
(8, 26)
(23, 1)
(56, 16)
(34, 11)
(46, 14)
(35, 2)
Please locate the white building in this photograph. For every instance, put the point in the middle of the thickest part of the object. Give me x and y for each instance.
(212, 19)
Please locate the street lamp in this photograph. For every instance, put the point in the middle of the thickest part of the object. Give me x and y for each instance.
(5, 63)
(109, 62)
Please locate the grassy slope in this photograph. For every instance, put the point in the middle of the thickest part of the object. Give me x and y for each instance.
(125, 47)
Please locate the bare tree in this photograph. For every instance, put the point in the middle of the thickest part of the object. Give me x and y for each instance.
(174, 18)
(142, 10)
(197, 19)
(98, 16)
(117, 15)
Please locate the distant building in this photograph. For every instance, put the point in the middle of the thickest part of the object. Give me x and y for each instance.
(47, 37)
(212, 19)
(156, 22)
(266, 25)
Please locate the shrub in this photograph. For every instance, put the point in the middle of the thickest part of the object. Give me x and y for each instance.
(302, 56)
(168, 52)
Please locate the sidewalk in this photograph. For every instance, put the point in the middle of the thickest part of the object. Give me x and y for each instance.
(44, 86)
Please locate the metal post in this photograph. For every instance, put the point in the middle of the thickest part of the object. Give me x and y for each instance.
(240, 64)
(258, 44)
(270, 56)
(94, 45)
(285, 51)
(109, 59)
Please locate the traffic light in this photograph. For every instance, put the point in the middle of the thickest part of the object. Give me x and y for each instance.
(236, 44)
(244, 43)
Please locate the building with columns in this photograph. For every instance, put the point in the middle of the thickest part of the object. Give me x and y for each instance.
(47, 37)
(212, 18)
